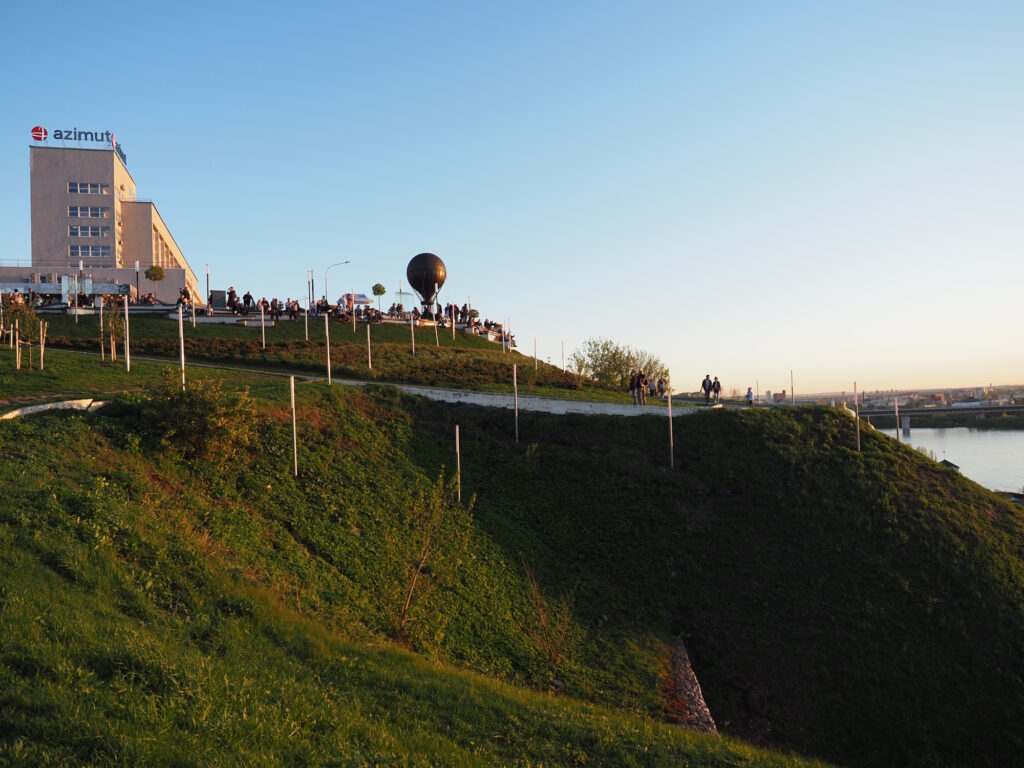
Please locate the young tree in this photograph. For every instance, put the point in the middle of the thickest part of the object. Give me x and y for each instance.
(437, 530)
(155, 274)
(553, 619)
(378, 291)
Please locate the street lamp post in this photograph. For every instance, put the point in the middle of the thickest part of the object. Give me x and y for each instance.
(326, 292)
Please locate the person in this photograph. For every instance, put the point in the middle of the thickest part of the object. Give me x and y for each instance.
(706, 388)
(632, 385)
(247, 302)
(716, 387)
(641, 387)
(750, 397)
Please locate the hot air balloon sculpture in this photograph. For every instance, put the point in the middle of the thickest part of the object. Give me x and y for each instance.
(426, 274)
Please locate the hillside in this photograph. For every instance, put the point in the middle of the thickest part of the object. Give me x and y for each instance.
(161, 603)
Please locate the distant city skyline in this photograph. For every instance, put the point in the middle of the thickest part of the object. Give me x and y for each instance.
(741, 190)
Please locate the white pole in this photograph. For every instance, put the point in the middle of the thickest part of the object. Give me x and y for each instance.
(437, 340)
(453, 322)
(181, 339)
(306, 302)
(193, 313)
(856, 405)
(671, 437)
(327, 331)
(127, 339)
(458, 464)
(76, 294)
(263, 326)
(42, 343)
(369, 351)
(353, 295)
(295, 442)
(412, 332)
(103, 352)
(515, 390)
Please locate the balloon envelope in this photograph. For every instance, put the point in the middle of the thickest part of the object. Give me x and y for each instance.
(426, 274)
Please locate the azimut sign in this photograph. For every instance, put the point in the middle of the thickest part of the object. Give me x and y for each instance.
(39, 133)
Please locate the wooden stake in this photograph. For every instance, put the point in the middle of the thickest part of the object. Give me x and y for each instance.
(856, 405)
(127, 352)
(263, 326)
(458, 464)
(181, 339)
(515, 390)
(327, 331)
(412, 331)
(671, 436)
(369, 352)
(295, 439)
(103, 354)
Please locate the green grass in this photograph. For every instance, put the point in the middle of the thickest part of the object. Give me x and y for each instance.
(153, 611)
(865, 607)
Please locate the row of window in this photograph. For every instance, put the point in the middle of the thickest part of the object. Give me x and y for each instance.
(88, 212)
(89, 251)
(88, 188)
(88, 230)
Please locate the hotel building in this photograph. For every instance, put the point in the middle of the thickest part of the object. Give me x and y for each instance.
(86, 218)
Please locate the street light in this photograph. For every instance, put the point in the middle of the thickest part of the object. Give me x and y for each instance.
(326, 292)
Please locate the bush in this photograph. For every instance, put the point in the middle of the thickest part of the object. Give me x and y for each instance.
(202, 420)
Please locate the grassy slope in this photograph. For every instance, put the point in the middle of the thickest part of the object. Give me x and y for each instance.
(869, 608)
(157, 612)
(866, 608)
(468, 362)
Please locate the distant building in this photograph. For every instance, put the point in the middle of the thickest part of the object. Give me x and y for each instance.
(86, 218)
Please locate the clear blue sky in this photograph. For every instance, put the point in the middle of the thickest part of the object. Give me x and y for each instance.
(739, 188)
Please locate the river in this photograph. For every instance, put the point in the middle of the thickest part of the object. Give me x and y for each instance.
(993, 458)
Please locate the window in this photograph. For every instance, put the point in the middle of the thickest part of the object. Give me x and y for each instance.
(88, 212)
(85, 230)
(89, 251)
(88, 188)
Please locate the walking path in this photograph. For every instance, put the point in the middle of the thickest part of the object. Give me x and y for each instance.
(527, 403)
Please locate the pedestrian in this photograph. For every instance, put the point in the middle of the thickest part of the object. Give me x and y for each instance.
(706, 388)
(750, 397)
(641, 387)
(632, 385)
(716, 387)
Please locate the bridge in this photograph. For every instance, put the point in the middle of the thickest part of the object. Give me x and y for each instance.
(945, 410)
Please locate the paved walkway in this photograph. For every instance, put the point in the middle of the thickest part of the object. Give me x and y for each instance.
(527, 403)
(535, 404)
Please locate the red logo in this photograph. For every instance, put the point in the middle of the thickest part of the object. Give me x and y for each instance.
(39, 133)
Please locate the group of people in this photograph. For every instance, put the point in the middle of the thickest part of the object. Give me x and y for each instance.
(275, 308)
(640, 385)
(712, 389)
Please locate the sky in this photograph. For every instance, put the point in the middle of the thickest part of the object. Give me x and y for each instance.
(743, 189)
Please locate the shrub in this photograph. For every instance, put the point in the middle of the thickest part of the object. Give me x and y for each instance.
(201, 419)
